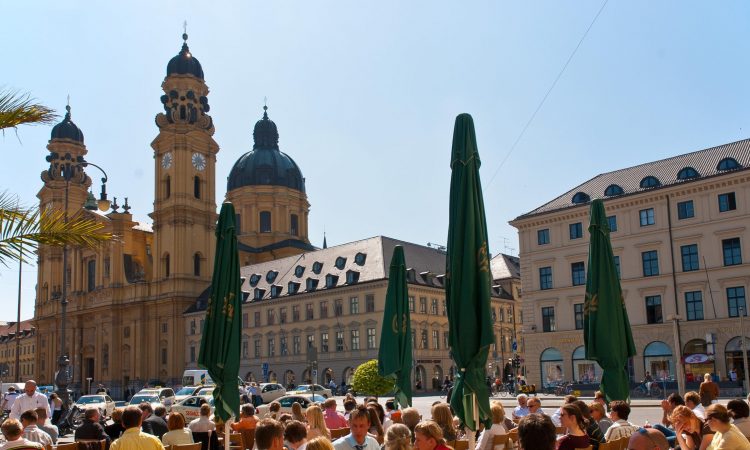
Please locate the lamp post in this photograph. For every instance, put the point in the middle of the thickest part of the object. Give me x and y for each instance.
(746, 384)
(70, 168)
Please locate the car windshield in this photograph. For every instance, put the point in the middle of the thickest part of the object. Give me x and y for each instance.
(137, 399)
(188, 390)
(89, 399)
(303, 387)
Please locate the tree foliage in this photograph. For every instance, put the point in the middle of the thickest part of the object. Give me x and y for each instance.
(367, 380)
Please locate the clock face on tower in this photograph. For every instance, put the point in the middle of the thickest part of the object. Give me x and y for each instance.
(199, 161)
(166, 160)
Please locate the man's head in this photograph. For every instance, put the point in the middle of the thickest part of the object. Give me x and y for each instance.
(427, 435)
(329, 403)
(390, 405)
(619, 410)
(131, 417)
(522, 400)
(30, 387)
(675, 400)
(692, 399)
(410, 417)
(359, 423)
(536, 432)
(29, 418)
(205, 410)
(349, 404)
(146, 409)
(41, 413)
(648, 439)
(12, 389)
(12, 429)
(597, 410)
(247, 410)
(269, 435)
(160, 411)
(295, 433)
(738, 409)
(534, 405)
(91, 414)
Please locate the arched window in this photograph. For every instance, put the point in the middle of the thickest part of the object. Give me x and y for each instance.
(650, 182)
(613, 189)
(581, 197)
(728, 164)
(584, 370)
(197, 186)
(294, 228)
(733, 355)
(197, 264)
(166, 265)
(687, 173)
(658, 360)
(552, 371)
(265, 221)
(167, 187)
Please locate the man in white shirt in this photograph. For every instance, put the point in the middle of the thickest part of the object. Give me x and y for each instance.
(31, 432)
(619, 412)
(295, 435)
(693, 401)
(357, 439)
(13, 433)
(30, 400)
(521, 410)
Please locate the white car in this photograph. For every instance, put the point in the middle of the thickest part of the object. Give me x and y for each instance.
(205, 391)
(308, 389)
(105, 404)
(165, 395)
(151, 398)
(185, 392)
(271, 391)
(288, 400)
(191, 406)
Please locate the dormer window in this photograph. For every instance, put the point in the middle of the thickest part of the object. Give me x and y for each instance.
(258, 294)
(254, 279)
(728, 164)
(359, 258)
(311, 284)
(612, 190)
(411, 275)
(317, 267)
(275, 290)
(299, 271)
(581, 197)
(352, 276)
(271, 276)
(340, 263)
(293, 287)
(331, 280)
(650, 182)
(687, 173)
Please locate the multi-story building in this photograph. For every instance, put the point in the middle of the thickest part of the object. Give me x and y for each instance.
(332, 300)
(23, 342)
(679, 227)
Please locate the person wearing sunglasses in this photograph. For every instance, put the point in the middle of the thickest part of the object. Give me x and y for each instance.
(726, 435)
(648, 439)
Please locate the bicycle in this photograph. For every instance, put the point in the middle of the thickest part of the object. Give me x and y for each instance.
(641, 391)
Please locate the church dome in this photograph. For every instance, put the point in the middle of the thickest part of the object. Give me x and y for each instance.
(185, 63)
(67, 129)
(265, 164)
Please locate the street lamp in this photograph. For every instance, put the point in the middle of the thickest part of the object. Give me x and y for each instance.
(70, 168)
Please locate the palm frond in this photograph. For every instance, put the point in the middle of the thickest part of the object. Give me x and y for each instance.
(20, 109)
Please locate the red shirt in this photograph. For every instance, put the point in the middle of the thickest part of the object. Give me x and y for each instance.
(334, 419)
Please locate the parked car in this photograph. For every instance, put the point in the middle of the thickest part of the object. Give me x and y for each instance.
(185, 392)
(288, 400)
(105, 404)
(271, 391)
(165, 395)
(308, 389)
(205, 391)
(190, 407)
(139, 398)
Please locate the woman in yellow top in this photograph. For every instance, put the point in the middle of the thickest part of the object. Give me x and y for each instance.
(726, 435)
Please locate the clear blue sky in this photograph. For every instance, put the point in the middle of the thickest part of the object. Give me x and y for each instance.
(365, 94)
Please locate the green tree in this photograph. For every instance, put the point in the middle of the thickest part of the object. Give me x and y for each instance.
(22, 229)
(367, 380)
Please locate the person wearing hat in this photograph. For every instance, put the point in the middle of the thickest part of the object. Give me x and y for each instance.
(8, 399)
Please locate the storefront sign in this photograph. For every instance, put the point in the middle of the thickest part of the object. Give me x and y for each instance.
(697, 358)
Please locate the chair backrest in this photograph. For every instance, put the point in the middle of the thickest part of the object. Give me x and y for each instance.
(194, 446)
(611, 445)
(208, 441)
(68, 446)
(623, 443)
(590, 447)
(91, 444)
(500, 440)
(248, 437)
(236, 439)
(461, 444)
(338, 432)
(560, 430)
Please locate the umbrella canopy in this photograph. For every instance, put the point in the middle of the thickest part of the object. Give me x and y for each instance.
(395, 354)
(220, 344)
(468, 279)
(606, 328)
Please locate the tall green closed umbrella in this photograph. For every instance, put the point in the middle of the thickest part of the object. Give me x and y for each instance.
(468, 279)
(220, 344)
(606, 328)
(394, 355)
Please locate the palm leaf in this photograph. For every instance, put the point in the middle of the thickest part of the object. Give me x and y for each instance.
(20, 109)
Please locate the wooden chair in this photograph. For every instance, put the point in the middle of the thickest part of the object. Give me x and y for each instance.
(235, 439)
(248, 437)
(560, 430)
(208, 441)
(461, 444)
(512, 439)
(590, 447)
(68, 446)
(194, 446)
(611, 445)
(338, 432)
(91, 444)
(623, 443)
(500, 441)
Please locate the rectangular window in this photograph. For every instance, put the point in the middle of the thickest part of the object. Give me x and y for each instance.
(578, 313)
(256, 318)
(685, 210)
(339, 341)
(612, 222)
(436, 339)
(309, 313)
(164, 356)
(283, 346)
(694, 305)
(578, 271)
(727, 202)
(355, 339)
(423, 305)
(650, 263)
(271, 347)
(295, 313)
(192, 353)
(310, 341)
(413, 338)
(689, 257)
(271, 317)
(501, 312)
(445, 339)
(647, 217)
(434, 306)
(192, 326)
(545, 278)
(542, 236)
(338, 307)
(411, 303)
(732, 251)
(736, 301)
(324, 342)
(617, 265)
(282, 315)
(445, 308)
(354, 305)
(91, 273)
(370, 303)
(423, 343)
(323, 309)
(265, 221)
(294, 228)
(245, 321)
(548, 319)
(576, 230)
(296, 345)
(371, 338)
(653, 309)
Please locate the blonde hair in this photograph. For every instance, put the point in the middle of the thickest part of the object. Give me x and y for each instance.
(319, 443)
(431, 430)
(682, 412)
(315, 420)
(498, 413)
(441, 414)
(596, 406)
(398, 437)
(297, 412)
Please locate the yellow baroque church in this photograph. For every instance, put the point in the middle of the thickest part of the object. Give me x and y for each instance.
(134, 308)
